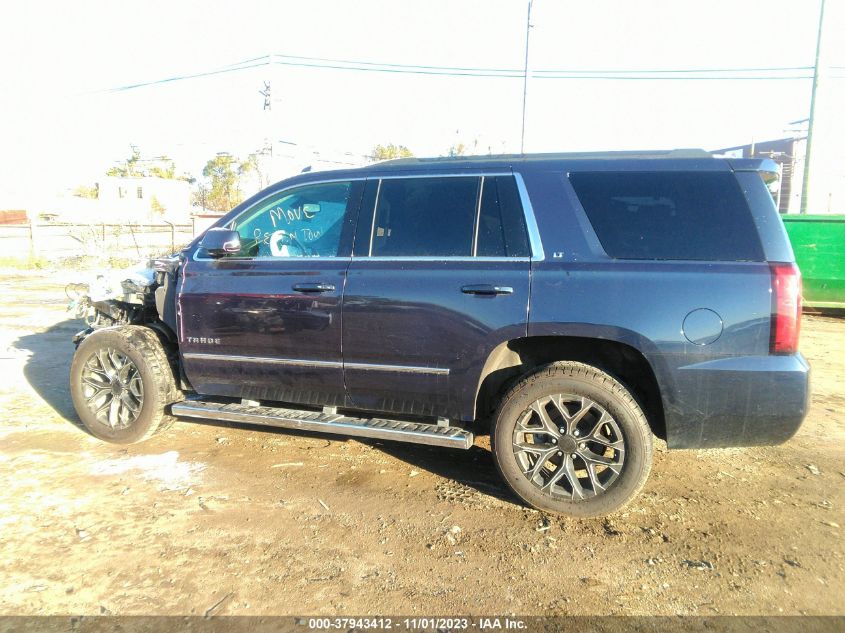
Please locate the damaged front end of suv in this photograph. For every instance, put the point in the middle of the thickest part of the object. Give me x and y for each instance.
(140, 295)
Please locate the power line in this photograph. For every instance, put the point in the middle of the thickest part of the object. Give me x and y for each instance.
(519, 71)
(340, 64)
(645, 76)
(678, 70)
(181, 77)
(663, 78)
(246, 61)
(657, 74)
(405, 71)
(362, 63)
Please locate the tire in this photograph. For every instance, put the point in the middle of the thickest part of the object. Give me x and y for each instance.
(120, 384)
(606, 445)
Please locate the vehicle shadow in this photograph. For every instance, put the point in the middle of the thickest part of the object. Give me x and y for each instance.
(48, 366)
(473, 468)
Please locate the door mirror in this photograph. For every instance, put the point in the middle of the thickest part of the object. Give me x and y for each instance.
(219, 242)
(310, 210)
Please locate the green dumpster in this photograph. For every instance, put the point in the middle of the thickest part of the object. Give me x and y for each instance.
(819, 245)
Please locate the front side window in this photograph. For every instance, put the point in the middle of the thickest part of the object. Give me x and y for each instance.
(425, 217)
(307, 221)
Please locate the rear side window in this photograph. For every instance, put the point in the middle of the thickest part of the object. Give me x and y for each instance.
(501, 222)
(669, 215)
(425, 217)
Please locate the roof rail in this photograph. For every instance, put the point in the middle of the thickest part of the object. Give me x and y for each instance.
(669, 153)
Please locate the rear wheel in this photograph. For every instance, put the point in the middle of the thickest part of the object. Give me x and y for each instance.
(571, 439)
(121, 382)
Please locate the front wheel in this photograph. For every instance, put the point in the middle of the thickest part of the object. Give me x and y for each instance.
(120, 384)
(571, 439)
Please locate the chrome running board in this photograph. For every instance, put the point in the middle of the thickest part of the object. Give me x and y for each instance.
(320, 422)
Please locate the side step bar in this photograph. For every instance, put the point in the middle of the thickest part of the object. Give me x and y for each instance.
(378, 428)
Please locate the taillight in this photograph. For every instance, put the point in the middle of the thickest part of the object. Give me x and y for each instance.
(786, 308)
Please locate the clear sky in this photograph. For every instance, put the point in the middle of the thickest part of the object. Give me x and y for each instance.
(60, 125)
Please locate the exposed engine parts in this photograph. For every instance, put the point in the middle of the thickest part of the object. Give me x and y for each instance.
(124, 297)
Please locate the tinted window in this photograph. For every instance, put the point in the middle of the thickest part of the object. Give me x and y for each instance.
(302, 222)
(501, 223)
(417, 217)
(669, 215)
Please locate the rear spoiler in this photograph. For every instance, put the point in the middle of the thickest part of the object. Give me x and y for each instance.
(753, 164)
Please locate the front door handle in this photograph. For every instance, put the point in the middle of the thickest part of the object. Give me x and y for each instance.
(316, 287)
(486, 289)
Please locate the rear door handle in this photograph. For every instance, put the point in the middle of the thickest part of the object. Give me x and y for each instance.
(486, 289)
(316, 287)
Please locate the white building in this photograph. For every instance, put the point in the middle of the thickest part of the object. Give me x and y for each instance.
(145, 199)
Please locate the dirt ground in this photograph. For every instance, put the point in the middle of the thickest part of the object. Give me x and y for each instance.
(214, 519)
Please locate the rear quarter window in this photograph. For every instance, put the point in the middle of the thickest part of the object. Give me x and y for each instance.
(669, 215)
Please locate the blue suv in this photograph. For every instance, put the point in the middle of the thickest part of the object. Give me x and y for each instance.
(571, 305)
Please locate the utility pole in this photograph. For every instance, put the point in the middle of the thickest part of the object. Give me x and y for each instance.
(270, 118)
(525, 77)
(268, 103)
(805, 187)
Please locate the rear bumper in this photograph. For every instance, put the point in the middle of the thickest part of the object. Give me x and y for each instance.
(740, 401)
